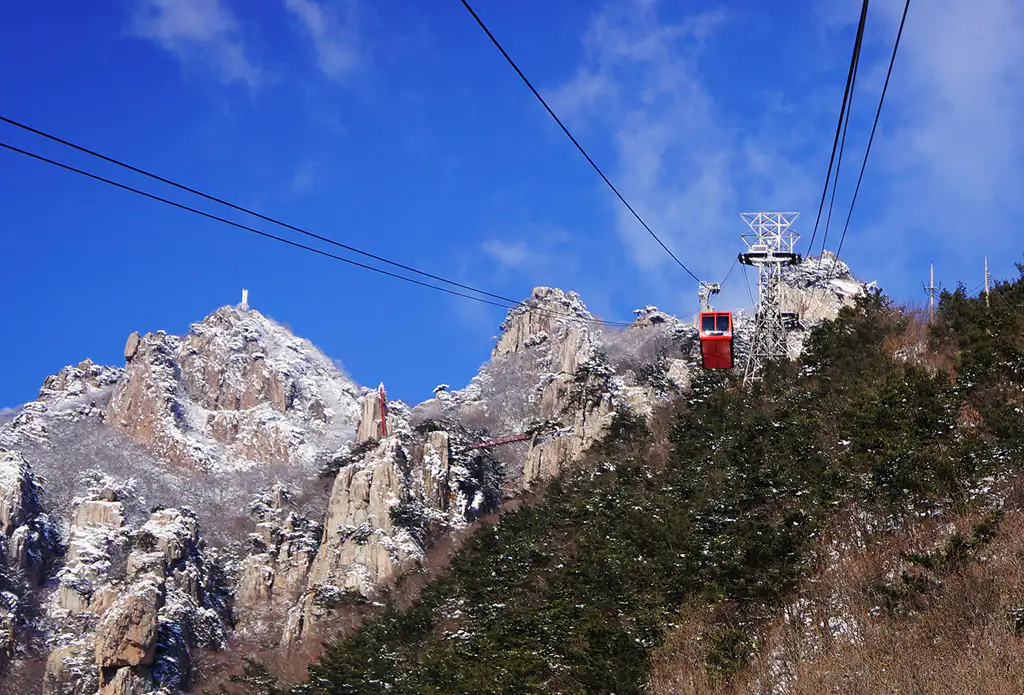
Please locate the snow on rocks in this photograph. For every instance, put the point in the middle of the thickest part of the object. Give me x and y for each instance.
(27, 535)
(74, 393)
(275, 573)
(28, 542)
(363, 547)
(239, 390)
(819, 287)
(132, 602)
(545, 312)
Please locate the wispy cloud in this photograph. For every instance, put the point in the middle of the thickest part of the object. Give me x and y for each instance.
(9, 413)
(198, 32)
(332, 29)
(508, 254)
(680, 160)
(304, 177)
(946, 168)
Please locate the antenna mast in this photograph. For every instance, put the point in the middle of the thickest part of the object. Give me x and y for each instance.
(930, 288)
(769, 249)
(987, 282)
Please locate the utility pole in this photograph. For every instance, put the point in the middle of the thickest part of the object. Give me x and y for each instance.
(769, 249)
(930, 288)
(986, 283)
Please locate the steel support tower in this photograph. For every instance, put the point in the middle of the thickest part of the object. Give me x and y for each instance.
(769, 249)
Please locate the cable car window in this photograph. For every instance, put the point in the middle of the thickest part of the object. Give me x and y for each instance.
(723, 322)
(707, 322)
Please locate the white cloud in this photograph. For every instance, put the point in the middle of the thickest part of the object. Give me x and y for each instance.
(511, 255)
(684, 165)
(945, 171)
(198, 32)
(944, 175)
(332, 29)
(959, 99)
(9, 413)
(304, 177)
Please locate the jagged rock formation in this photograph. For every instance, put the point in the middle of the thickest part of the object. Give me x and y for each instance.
(238, 390)
(376, 525)
(132, 603)
(819, 287)
(28, 543)
(72, 393)
(275, 574)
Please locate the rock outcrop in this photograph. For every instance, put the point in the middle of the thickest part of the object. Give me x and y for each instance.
(127, 634)
(74, 393)
(133, 602)
(28, 545)
(238, 390)
(276, 572)
(96, 539)
(819, 287)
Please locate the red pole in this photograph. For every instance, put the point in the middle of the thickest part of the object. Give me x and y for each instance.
(383, 411)
(383, 397)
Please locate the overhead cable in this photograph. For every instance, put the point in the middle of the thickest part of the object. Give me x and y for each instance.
(574, 140)
(874, 127)
(839, 163)
(729, 274)
(289, 242)
(248, 211)
(854, 59)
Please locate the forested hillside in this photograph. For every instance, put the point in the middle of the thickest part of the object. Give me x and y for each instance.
(776, 539)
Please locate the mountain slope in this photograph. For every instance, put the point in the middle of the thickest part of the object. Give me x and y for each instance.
(717, 540)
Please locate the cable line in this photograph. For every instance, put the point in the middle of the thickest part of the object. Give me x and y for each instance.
(731, 268)
(747, 283)
(839, 162)
(874, 127)
(574, 140)
(248, 211)
(289, 242)
(854, 59)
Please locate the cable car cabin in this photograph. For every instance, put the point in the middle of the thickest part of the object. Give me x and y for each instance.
(716, 340)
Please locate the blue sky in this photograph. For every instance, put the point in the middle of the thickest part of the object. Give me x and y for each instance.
(396, 127)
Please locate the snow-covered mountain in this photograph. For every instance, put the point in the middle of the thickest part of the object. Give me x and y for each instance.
(228, 489)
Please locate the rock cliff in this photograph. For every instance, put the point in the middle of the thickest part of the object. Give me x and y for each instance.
(237, 391)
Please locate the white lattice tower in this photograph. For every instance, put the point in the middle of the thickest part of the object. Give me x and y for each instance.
(769, 248)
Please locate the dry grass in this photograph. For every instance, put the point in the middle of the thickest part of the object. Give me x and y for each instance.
(836, 637)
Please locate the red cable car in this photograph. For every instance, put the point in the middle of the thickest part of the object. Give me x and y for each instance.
(716, 339)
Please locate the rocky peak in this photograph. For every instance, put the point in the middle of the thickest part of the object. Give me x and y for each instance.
(819, 287)
(238, 390)
(74, 393)
(80, 382)
(540, 318)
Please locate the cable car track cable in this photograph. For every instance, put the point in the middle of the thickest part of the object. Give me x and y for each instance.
(854, 59)
(839, 163)
(248, 211)
(575, 142)
(289, 242)
(871, 138)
